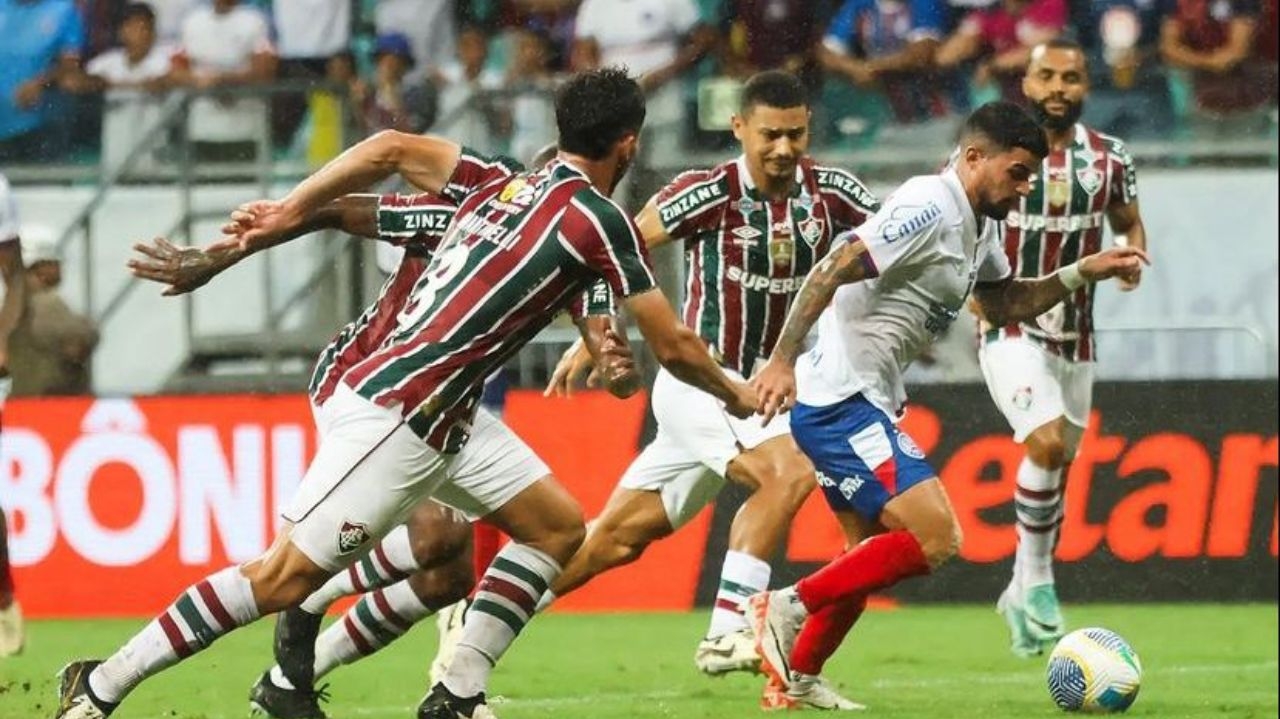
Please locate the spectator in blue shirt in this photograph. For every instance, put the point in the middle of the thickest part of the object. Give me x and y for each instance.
(40, 54)
(1129, 93)
(888, 45)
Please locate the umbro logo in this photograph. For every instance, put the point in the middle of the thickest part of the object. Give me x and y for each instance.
(746, 235)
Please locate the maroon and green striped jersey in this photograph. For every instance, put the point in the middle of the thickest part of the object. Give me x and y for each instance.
(521, 248)
(746, 256)
(415, 223)
(1060, 222)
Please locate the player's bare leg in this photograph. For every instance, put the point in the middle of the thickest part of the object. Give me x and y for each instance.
(631, 520)
(921, 534)
(780, 478)
(11, 629)
(486, 541)
(217, 605)
(432, 544)
(546, 527)
(1030, 603)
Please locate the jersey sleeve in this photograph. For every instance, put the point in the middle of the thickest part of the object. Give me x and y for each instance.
(595, 301)
(8, 213)
(993, 263)
(907, 228)
(692, 203)
(474, 171)
(413, 220)
(1125, 190)
(606, 241)
(850, 202)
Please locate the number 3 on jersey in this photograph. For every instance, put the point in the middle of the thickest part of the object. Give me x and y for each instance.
(446, 266)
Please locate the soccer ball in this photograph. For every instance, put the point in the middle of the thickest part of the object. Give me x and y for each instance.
(1094, 670)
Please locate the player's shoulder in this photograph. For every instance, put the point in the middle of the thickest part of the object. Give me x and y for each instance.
(599, 208)
(922, 189)
(1113, 145)
(836, 180)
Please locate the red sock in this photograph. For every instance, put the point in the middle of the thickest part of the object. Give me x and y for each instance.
(878, 562)
(486, 541)
(822, 634)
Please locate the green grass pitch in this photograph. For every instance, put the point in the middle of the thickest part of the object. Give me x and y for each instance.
(921, 662)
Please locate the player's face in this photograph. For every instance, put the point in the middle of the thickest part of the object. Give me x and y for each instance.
(773, 138)
(1005, 180)
(1056, 84)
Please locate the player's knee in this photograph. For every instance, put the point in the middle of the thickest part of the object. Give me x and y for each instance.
(439, 538)
(941, 542)
(1046, 448)
(563, 532)
(795, 485)
(444, 585)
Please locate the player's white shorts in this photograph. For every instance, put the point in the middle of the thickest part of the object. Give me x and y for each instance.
(371, 469)
(1033, 387)
(696, 440)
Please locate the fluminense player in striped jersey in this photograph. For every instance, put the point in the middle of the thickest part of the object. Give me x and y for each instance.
(879, 299)
(403, 425)
(751, 228)
(1040, 371)
(419, 567)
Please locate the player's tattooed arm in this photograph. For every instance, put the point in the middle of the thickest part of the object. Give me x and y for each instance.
(1020, 300)
(847, 263)
(775, 385)
(185, 269)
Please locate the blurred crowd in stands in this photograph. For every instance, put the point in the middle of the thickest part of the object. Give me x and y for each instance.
(88, 80)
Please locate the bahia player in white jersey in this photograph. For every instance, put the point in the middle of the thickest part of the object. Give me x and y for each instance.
(878, 299)
(1040, 372)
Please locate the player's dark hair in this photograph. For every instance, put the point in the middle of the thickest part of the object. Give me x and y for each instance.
(138, 10)
(772, 88)
(1006, 126)
(1062, 43)
(595, 109)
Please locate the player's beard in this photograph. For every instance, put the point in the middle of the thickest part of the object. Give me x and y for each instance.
(1057, 123)
(987, 208)
(620, 171)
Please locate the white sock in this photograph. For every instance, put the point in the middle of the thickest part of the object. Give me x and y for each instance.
(741, 576)
(504, 603)
(1038, 506)
(548, 597)
(390, 561)
(205, 611)
(379, 618)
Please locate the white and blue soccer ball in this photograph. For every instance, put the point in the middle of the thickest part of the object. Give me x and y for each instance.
(1094, 670)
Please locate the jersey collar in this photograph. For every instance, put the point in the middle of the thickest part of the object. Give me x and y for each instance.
(749, 185)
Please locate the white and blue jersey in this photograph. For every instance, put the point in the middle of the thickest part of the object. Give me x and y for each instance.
(926, 249)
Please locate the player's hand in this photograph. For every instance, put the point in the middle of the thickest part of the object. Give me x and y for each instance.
(257, 222)
(743, 404)
(775, 388)
(574, 363)
(1122, 262)
(183, 269)
(617, 367)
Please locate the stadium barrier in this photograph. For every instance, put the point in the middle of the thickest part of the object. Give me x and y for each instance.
(117, 504)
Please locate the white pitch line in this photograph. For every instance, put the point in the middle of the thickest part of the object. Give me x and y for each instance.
(1024, 677)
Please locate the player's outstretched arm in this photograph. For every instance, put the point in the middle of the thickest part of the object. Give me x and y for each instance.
(682, 352)
(775, 385)
(650, 223)
(1019, 300)
(185, 269)
(425, 161)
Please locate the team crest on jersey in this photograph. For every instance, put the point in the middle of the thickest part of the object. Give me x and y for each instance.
(909, 446)
(1090, 179)
(811, 230)
(351, 536)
